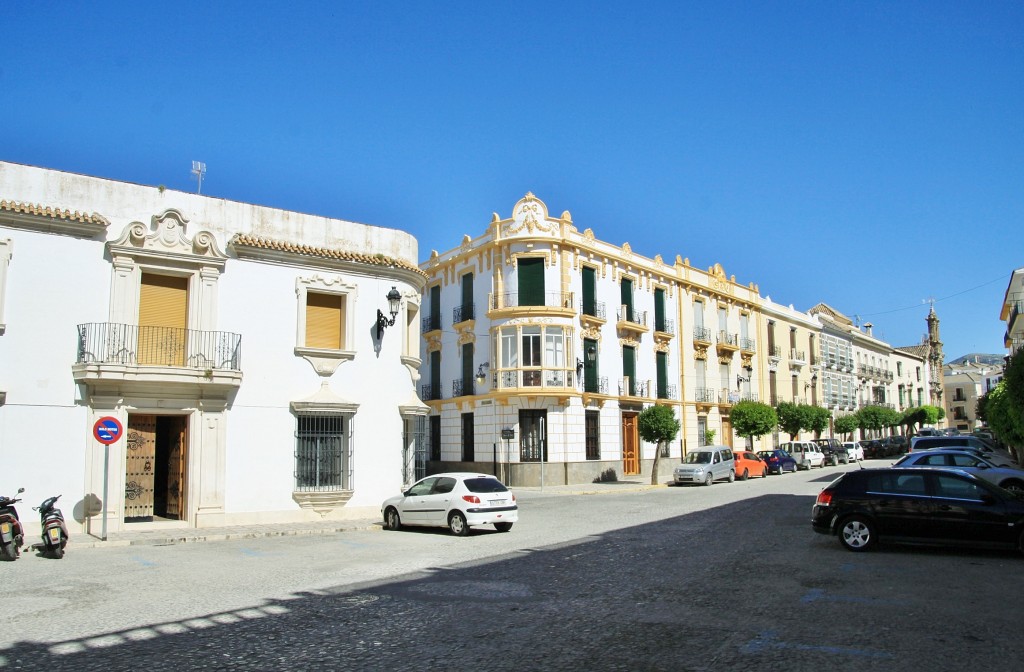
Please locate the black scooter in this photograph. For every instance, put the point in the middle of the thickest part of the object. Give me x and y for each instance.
(55, 531)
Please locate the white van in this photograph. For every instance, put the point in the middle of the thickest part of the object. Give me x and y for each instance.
(706, 465)
(806, 453)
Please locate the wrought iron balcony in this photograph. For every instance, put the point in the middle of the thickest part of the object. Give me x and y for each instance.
(665, 326)
(134, 345)
(533, 379)
(638, 317)
(775, 351)
(634, 388)
(430, 323)
(597, 310)
(596, 387)
(702, 334)
(516, 300)
(462, 387)
(748, 396)
(797, 355)
(667, 392)
(747, 344)
(463, 313)
(430, 392)
(725, 338)
(706, 395)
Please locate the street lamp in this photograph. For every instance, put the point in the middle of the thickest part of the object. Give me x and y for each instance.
(480, 375)
(394, 299)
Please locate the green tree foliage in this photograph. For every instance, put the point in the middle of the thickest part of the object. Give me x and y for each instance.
(752, 419)
(847, 424)
(657, 424)
(873, 417)
(1003, 415)
(817, 418)
(791, 418)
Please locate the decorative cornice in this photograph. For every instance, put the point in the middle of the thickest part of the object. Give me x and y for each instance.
(46, 219)
(259, 247)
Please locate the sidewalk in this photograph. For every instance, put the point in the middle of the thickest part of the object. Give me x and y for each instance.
(186, 535)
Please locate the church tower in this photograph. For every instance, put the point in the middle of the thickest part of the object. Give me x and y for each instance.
(935, 359)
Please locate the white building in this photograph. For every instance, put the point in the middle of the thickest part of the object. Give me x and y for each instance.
(236, 346)
(1012, 309)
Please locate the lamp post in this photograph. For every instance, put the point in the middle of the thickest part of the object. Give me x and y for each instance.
(394, 299)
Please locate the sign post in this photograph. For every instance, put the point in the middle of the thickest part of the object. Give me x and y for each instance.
(106, 430)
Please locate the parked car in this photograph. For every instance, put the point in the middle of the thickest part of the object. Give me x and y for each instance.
(872, 449)
(806, 453)
(455, 500)
(854, 450)
(777, 460)
(929, 431)
(936, 506)
(833, 451)
(896, 444)
(1004, 477)
(706, 465)
(997, 455)
(749, 464)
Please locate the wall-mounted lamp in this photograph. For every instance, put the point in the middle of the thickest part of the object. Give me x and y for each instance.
(591, 355)
(814, 381)
(481, 375)
(394, 299)
(740, 380)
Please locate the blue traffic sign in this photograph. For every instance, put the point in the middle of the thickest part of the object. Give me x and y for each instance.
(107, 430)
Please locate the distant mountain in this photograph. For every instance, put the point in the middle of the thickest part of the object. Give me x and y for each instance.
(980, 358)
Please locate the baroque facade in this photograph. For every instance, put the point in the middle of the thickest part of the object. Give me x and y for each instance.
(226, 346)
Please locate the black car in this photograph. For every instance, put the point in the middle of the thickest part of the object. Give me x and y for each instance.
(872, 449)
(833, 451)
(919, 505)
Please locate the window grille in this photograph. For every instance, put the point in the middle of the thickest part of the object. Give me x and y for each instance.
(322, 458)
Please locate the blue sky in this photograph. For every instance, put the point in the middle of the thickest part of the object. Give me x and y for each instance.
(869, 155)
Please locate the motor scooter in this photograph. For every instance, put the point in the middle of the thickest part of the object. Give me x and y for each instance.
(55, 531)
(11, 533)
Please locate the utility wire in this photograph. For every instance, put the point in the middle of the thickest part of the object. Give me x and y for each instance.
(944, 298)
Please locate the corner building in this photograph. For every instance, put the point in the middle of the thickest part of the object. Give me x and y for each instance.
(237, 346)
(543, 344)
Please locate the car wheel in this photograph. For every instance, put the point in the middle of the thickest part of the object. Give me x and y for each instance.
(856, 533)
(732, 476)
(708, 480)
(1012, 485)
(503, 527)
(392, 521)
(764, 473)
(746, 475)
(457, 524)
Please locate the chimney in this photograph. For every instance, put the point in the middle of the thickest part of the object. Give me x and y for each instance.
(867, 328)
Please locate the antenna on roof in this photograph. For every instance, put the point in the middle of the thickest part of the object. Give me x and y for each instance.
(199, 169)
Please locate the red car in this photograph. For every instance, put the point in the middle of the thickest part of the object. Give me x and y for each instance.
(749, 464)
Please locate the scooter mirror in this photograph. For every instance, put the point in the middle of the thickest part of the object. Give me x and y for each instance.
(21, 490)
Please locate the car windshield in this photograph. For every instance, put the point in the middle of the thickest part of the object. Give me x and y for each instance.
(699, 457)
(484, 485)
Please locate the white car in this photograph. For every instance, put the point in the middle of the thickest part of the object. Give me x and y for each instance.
(854, 450)
(806, 453)
(456, 500)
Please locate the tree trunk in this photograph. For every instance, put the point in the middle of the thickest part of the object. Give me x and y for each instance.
(654, 467)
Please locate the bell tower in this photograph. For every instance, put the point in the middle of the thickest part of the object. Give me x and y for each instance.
(935, 358)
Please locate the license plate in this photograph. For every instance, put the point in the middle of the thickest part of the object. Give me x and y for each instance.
(54, 534)
(5, 528)
(498, 502)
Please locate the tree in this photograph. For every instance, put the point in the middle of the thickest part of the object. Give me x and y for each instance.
(847, 424)
(791, 418)
(753, 419)
(1003, 416)
(817, 419)
(873, 417)
(657, 424)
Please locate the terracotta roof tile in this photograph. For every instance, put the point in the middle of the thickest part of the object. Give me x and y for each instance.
(259, 242)
(53, 213)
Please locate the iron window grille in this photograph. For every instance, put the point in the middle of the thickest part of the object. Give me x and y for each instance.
(322, 458)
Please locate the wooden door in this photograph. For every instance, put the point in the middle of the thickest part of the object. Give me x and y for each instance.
(727, 432)
(630, 445)
(140, 467)
(176, 453)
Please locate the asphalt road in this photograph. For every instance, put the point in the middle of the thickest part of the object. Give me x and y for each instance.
(694, 578)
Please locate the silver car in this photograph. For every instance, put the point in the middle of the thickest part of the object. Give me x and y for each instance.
(1004, 477)
(706, 465)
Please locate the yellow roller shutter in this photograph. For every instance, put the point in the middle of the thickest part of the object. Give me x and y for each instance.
(325, 313)
(163, 319)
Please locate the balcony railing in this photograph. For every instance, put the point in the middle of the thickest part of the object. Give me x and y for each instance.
(702, 334)
(667, 392)
(463, 313)
(706, 395)
(430, 323)
(665, 326)
(632, 316)
(430, 392)
(797, 355)
(725, 338)
(532, 378)
(514, 300)
(775, 351)
(748, 396)
(597, 387)
(462, 387)
(597, 310)
(110, 343)
(747, 343)
(634, 388)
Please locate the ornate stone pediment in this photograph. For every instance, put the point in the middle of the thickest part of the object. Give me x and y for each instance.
(167, 237)
(530, 214)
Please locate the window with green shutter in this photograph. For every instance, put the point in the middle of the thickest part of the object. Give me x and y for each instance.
(627, 298)
(531, 281)
(659, 310)
(589, 291)
(662, 362)
(629, 368)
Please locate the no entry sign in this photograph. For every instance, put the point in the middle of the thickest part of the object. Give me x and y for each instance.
(107, 430)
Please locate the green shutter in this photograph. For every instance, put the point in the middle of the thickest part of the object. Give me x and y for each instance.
(589, 368)
(659, 309)
(467, 368)
(629, 368)
(627, 298)
(435, 375)
(589, 291)
(467, 297)
(662, 361)
(531, 281)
